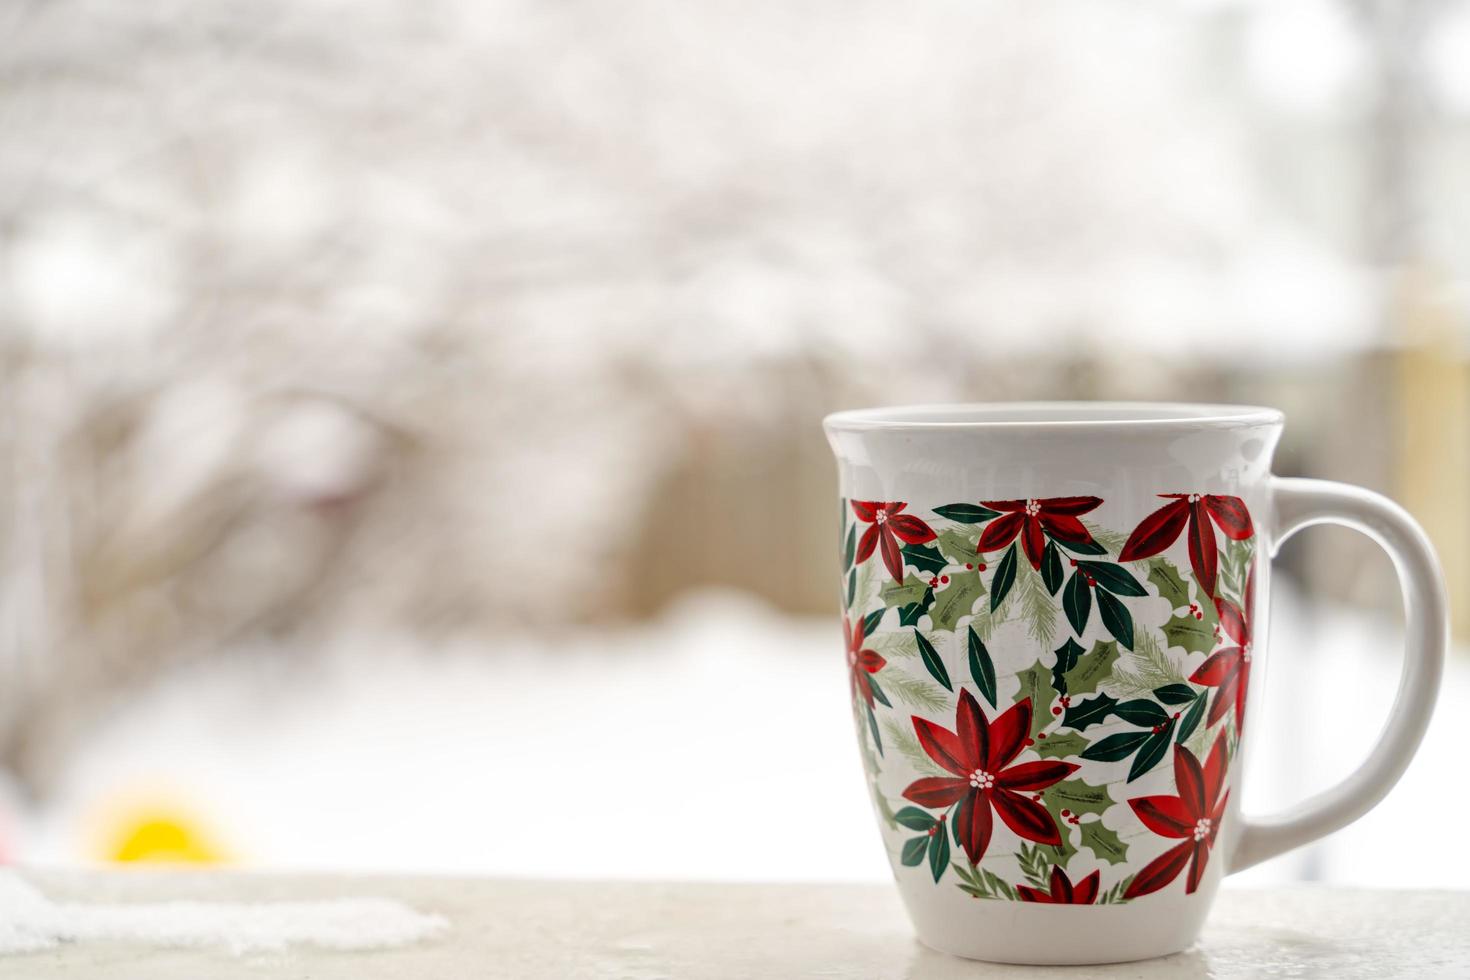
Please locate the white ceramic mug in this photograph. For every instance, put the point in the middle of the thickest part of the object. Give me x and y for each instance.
(1054, 616)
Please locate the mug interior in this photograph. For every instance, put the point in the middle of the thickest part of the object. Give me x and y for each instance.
(983, 415)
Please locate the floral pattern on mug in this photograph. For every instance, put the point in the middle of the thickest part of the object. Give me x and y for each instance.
(1063, 768)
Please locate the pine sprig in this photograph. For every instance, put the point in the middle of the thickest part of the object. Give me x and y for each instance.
(914, 691)
(1037, 609)
(1109, 539)
(1147, 667)
(1114, 895)
(1035, 865)
(982, 883)
(909, 747)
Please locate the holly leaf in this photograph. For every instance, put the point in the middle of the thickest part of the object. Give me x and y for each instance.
(1115, 616)
(1093, 667)
(909, 615)
(1004, 578)
(958, 546)
(1115, 578)
(1051, 567)
(932, 661)
(982, 668)
(1104, 843)
(910, 592)
(1067, 655)
(966, 513)
(914, 819)
(1166, 578)
(938, 855)
(1151, 751)
(1090, 712)
(1060, 746)
(1115, 747)
(913, 851)
(1036, 685)
(924, 557)
(1077, 797)
(956, 599)
(1077, 601)
(1191, 634)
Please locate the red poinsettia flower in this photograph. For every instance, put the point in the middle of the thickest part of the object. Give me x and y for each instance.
(1057, 516)
(1063, 892)
(860, 662)
(1161, 528)
(1228, 670)
(1193, 816)
(979, 753)
(888, 528)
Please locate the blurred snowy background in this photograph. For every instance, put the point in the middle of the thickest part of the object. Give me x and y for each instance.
(408, 411)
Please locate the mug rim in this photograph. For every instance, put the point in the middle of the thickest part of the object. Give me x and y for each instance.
(1051, 415)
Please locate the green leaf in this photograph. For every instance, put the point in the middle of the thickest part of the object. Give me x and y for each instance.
(1166, 578)
(1152, 751)
(1116, 617)
(1141, 712)
(1093, 667)
(1059, 746)
(1077, 601)
(1090, 712)
(873, 727)
(1005, 577)
(1175, 693)
(1051, 567)
(956, 599)
(1093, 547)
(849, 550)
(910, 592)
(982, 668)
(1187, 632)
(966, 513)
(1036, 685)
(938, 855)
(958, 547)
(878, 694)
(1067, 655)
(925, 557)
(1115, 747)
(911, 614)
(871, 621)
(914, 819)
(1191, 719)
(1115, 578)
(1104, 843)
(913, 851)
(851, 586)
(1077, 796)
(932, 662)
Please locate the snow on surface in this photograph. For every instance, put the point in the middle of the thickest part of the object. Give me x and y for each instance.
(713, 743)
(29, 921)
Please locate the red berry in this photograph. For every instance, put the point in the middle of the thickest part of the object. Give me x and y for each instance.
(1056, 711)
(982, 566)
(1073, 561)
(968, 566)
(1066, 812)
(933, 582)
(1041, 734)
(1030, 741)
(944, 579)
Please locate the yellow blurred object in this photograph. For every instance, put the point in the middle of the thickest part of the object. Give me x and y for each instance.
(164, 838)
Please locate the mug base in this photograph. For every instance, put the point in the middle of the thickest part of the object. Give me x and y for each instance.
(1026, 954)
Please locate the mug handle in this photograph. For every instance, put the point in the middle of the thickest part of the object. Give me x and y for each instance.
(1302, 503)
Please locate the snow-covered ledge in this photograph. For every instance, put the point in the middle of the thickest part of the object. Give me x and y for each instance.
(533, 929)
